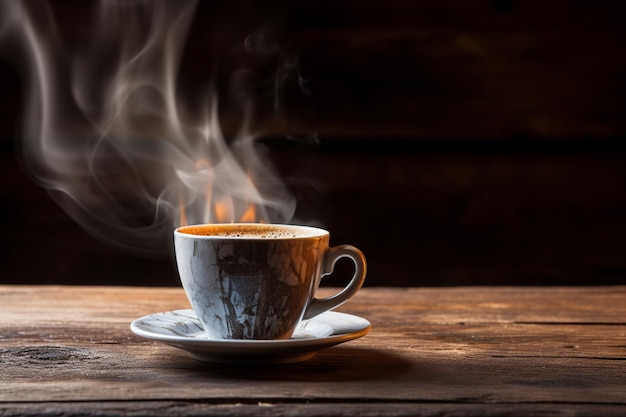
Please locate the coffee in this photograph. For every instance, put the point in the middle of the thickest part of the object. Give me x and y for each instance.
(247, 231)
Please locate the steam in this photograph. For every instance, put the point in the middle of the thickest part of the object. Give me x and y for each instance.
(108, 132)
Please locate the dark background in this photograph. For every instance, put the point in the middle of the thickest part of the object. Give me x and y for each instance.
(455, 142)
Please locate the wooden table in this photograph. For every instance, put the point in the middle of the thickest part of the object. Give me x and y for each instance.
(432, 351)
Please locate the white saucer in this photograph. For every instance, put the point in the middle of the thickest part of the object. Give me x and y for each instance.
(182, 329)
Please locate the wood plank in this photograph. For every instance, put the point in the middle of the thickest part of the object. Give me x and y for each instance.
(436, 305)
(496, 69)
(259, 409)
(470, 69)
(462, 345)
(463, 214)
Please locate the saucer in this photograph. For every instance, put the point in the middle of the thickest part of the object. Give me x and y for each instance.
(182, 329)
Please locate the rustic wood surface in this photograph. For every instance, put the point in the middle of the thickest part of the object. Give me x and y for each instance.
(68, 350)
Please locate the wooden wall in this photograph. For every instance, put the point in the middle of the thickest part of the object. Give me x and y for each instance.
(457, 142)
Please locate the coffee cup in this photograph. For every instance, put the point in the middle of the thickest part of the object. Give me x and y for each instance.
(258, 281)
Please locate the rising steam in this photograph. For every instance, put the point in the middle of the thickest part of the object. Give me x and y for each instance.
(109, 134)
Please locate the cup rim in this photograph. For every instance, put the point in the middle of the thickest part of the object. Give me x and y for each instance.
(311, 231)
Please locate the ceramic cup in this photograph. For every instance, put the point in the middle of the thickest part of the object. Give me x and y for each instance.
(258, 281)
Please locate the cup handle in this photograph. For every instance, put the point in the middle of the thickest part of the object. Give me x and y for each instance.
(320, 305)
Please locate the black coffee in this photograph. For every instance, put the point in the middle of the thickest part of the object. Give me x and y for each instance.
(259, 231)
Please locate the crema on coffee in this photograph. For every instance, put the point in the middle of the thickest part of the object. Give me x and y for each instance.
(250, 231)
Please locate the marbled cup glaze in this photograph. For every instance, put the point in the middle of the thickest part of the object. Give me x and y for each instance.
(252, 287)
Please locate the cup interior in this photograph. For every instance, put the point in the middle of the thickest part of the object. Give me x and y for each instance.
(251, 231)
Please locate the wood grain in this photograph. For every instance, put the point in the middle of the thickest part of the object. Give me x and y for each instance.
(467, 350)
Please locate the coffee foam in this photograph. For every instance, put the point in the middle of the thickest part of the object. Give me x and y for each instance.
(266, 234)
(248, 232)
